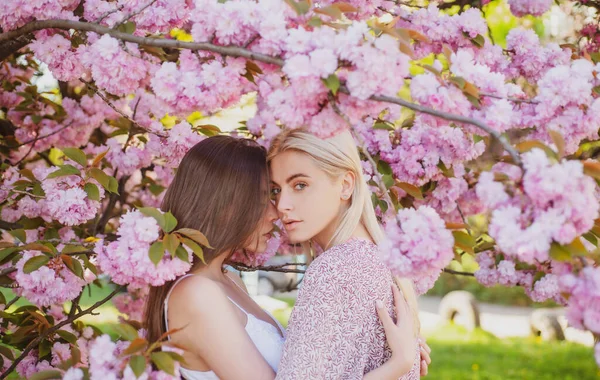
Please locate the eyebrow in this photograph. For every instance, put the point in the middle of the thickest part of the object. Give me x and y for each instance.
(293, 177)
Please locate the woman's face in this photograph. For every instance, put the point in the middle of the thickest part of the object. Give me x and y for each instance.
(307, 199)
(258, 242)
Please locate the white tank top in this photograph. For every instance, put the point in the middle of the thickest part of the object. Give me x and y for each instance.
(264, 335)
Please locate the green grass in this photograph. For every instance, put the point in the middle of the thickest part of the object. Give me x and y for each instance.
(458, 354)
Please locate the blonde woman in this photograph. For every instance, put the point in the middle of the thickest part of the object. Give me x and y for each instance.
(334, 331)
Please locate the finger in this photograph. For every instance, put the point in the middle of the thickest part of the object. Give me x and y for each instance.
(425, 356)
(399, 305)
(424, 368)
(385, 318)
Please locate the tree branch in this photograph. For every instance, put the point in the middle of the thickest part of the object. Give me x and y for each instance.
(235, 51)
(34, 343)
(9, 226)
(44, 136)
(232, 51)
(135, 13)
(270, 268)
(452, 271)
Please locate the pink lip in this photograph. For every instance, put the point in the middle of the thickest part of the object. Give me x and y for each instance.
(290, 226)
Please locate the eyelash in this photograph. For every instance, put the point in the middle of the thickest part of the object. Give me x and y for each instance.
(275, 191)
(300, 184)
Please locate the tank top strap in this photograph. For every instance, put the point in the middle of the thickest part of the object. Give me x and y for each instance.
(166, 303)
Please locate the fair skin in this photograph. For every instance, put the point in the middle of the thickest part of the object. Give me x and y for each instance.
(310, 204)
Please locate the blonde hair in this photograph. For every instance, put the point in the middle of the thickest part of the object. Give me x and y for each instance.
(336, 156)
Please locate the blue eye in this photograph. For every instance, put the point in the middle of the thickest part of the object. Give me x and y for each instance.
(275, 191)
(300, 186)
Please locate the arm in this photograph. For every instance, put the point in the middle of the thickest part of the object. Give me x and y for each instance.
(212, 331)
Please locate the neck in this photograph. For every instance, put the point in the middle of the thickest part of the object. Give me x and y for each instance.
(324, 237)
(214, 270)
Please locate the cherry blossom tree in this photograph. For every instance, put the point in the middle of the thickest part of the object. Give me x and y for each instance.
(452, 128)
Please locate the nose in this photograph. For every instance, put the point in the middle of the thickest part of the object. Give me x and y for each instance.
(283, 204)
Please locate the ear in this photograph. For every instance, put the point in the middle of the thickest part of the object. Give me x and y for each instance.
(348, 182)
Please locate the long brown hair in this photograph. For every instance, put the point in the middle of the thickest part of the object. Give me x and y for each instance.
(220, 189)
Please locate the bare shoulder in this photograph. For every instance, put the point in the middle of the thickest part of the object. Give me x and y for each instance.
(237, 279)
(197, 294)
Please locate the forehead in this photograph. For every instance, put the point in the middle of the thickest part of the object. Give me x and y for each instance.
(289, 163)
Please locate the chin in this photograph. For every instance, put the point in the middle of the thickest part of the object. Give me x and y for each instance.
(296, 237)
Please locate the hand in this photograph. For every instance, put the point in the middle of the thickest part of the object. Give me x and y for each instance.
(425, 356)
(400, 335)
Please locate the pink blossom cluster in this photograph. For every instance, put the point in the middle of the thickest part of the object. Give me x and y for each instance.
(65, 200)
(424, 148)
(14, 14)
(529, 58)
(583, 309)
(128, 161)
(238, 22)
(205, 86)
(567, 104)
(160, 17)
(447, 195)
(51, 283)
(120, 70)
(418, 245)
(522, 8)
(175, 145)
(56, 51)
(132, 302)
(441, 29)
(107, 361)
(506, 273)
(31, 365)
(126, 260)
(551, 202)
(82, 118)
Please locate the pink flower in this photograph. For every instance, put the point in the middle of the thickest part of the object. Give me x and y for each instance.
(522, 8)
(126, 260)
(50, 284)
(418, 245)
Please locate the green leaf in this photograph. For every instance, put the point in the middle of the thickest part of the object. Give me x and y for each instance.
(136, 345)
(63, 171)
(464, 241)
(44, 348)
(102, 178)
(384, 168)
(7, 352)
(315, 21)
(19, 234)
(76, 155)
(182, 254)
(113, 185)
(137, 364)
(332, 82)
(478, 41)
(576, 248)
(47, 374)
(171, 243)
(156, 214)
(156, 252)
(383, 125)
(126, 331)
(170, 222)
(69, 337)
(35, 263)
(164, 362)
(411, 190)
(195, 235)
(74, 265)
(460, 82)
(72, 248)
(198, 251)
(596, 90)
(388, 180)
(128, 27)
(300, 7)
(4, 253)
(538, 276)
(559, 252)
(92, 191)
